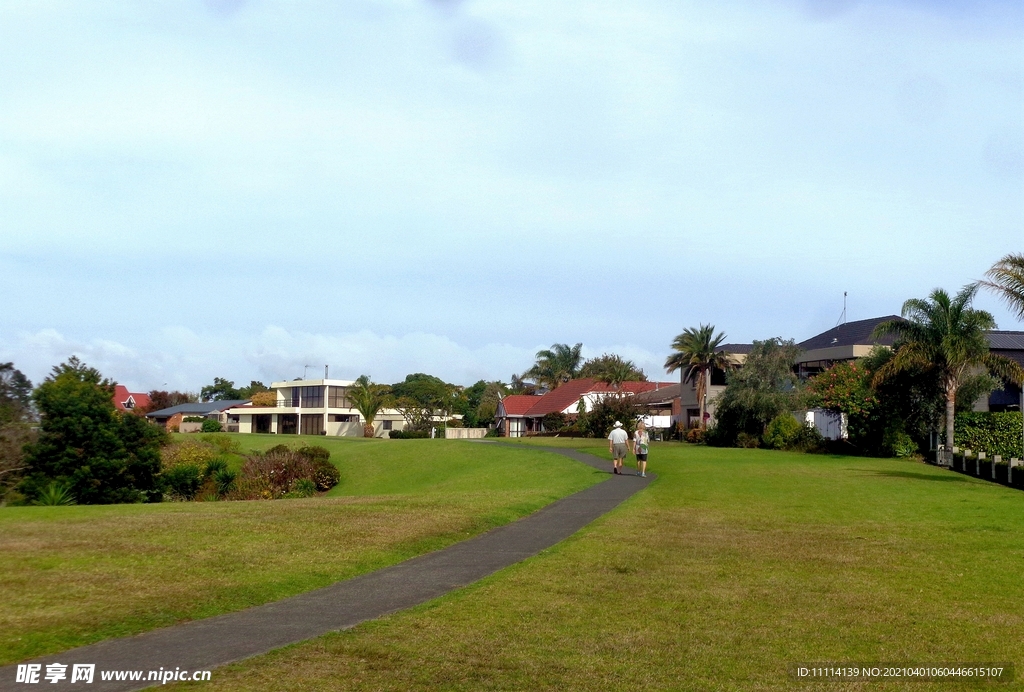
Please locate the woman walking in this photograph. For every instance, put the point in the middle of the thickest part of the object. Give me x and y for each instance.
(641, 441)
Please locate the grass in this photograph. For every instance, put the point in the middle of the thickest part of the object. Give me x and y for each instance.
(730, 567)
(75, 575)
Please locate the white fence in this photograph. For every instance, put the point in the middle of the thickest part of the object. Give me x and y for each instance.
(464, 433)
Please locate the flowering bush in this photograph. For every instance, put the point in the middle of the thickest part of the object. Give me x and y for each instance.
(843, 388)
(279, 472)
(192, 452)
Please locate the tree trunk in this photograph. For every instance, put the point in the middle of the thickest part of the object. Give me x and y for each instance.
(950, 416)
(368, 429)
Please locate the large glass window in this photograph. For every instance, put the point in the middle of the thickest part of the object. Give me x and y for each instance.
(312, 423)
(337, 399)
(312, 397)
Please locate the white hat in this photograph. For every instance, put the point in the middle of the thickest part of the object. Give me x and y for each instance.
(617, 424)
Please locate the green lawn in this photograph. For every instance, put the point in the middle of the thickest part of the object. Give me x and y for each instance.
(731, 566)
(75, 575)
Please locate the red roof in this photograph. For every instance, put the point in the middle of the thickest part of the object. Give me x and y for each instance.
(126, 401)
(566, 396)
(519, 404)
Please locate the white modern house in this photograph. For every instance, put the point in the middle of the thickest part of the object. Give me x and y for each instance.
(311, 407)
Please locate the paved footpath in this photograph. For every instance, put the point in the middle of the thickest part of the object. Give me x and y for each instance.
(216, 641)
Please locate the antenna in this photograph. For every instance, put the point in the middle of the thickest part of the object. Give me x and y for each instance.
(325, 372)
(304, 369)
(842, 318)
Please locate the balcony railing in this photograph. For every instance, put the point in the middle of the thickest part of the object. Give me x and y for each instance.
(288, 403)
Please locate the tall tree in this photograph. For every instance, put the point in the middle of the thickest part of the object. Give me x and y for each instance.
(160, 399)
(1006, 277)
(762, 389)
(557, 365)
(696, 355)
(15, 425)
(612, 369)
(368, 398)
(86, 445)
(945, 335)
(220, 390)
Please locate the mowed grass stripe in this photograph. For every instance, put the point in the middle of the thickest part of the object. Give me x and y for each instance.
(728, 568)
(76, 575)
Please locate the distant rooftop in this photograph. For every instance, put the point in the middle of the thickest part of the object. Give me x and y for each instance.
(850, 334)
(1006, 341)
(197, 409)
(736, 348)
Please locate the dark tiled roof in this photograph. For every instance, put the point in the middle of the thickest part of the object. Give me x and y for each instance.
(197, 409)
(1006, 341)
(664, 393)
(850, 334)
(736, 348)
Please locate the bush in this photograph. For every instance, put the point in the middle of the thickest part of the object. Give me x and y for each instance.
(264, 399)
(599, 420)
(409, 434)
(211, 426)
(276, 473)
(554, 421)
(224, 480)
(303, 488)
(899, 444)
(225, 444)
(315, 453)
(782, 432)
(695, 436)
(191, 451)
(193, 419)
(748, 441)
(55, 495)
(992, 433)
(183, 481)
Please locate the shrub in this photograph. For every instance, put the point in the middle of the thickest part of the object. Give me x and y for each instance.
(554, 421)
(695, 436)
(315, 453)
(193, 419)
(225, 444)
(993, 433)
(409, 434)
(211, 426)
(899, 444)
(55, 495)
(224, 479)
(183, 481)
(191, 451)
(782, 432)
(748, 441)
(303, 488)
(278, 449)
(275, 474)
(599, 420)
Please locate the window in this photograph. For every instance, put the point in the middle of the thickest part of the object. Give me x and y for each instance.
(312, 424)
(343, 418)
(312, 397)
(336, 398)
(385, 425)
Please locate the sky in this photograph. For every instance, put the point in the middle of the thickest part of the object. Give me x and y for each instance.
(254, 189)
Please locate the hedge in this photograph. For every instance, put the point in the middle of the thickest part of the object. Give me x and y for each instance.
(992, 433)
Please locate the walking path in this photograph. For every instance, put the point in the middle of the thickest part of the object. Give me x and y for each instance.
(216, 641)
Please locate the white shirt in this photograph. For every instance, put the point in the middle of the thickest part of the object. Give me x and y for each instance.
(618, 436)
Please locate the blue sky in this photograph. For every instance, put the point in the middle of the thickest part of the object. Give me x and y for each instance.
(240, 189)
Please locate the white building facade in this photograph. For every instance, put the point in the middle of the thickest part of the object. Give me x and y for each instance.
(312, 407)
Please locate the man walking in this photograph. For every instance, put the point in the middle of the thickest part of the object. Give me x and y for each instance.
(617, 446)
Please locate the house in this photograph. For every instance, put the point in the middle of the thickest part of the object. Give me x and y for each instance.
(129, 401)
(522, 414)
(689, 406)
(172, 418)
(312, 407)
(1010, 345)
(844, 342)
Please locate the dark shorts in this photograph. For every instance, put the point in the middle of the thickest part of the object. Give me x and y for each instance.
(641, 457)
(619, 451)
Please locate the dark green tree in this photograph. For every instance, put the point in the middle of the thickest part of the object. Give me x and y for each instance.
(84, 444)
(220, 390)
(254, 388)
(755, 394)
(15, 425)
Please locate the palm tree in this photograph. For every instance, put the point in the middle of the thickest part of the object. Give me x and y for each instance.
(697, 354)
(368, 399)
(1007, 279)
(946, 336)
(557, 365)
(616, 371)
